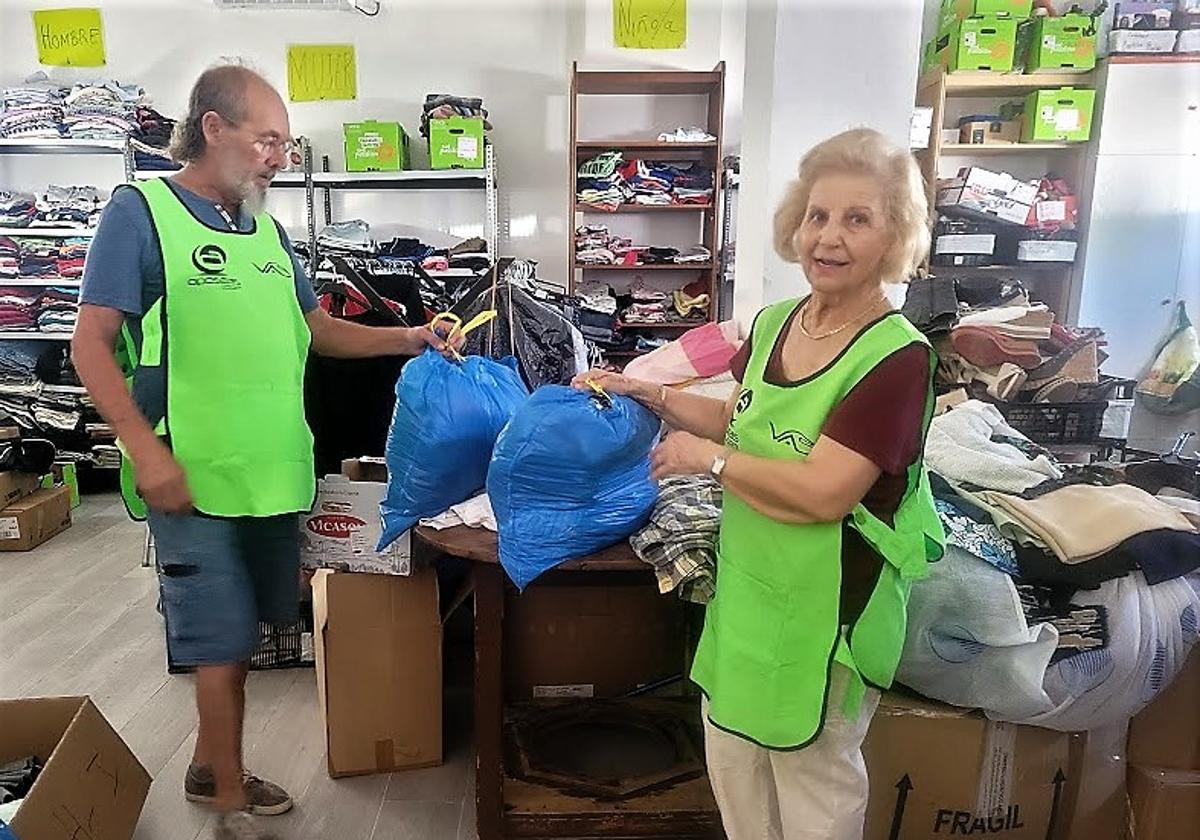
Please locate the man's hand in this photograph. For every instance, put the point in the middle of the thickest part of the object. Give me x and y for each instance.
(416, 339)
(161, 480)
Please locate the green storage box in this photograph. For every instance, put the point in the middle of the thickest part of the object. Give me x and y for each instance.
(1064, 114)
(1064, 44)
(373, 146)
(456, 143)
(955, 10)
(979, 43)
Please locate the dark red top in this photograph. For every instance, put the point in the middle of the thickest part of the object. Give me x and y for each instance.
(880, 419)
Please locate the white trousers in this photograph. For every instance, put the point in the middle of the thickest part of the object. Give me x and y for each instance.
(815, 793)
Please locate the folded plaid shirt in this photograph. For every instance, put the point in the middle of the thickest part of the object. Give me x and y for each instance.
(680, 541)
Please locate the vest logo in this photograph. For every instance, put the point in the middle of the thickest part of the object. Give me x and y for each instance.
(272, 268)
(339, 526)
(209, 259)
(743, 403)
(797, 440)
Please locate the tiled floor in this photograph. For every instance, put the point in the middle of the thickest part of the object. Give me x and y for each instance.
(77, 616)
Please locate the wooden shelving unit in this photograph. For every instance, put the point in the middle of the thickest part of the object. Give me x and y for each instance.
(709, 84)
(1069, 160)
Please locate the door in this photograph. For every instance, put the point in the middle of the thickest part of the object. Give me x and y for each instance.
(1139, 223)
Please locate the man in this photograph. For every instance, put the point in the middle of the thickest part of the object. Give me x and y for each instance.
(220, 317)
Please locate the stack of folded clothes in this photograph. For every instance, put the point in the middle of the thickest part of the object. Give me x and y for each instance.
(32, 111)
(39, 258)
(607, 181)
(151, 139)
(71, 256)
(18, 310)
(650, 307)
(58, 310)
(17, 209)
(352, 238)
(594, 245)
(69, 207)
(10, 257)
(102, 111)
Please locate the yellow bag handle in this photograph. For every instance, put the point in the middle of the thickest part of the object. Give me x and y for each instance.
(457, 328)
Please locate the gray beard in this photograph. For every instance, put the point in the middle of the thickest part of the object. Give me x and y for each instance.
(254, 200)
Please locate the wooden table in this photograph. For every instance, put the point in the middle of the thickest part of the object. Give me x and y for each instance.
(520, 809)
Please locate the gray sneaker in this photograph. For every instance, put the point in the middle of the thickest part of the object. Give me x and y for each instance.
(239, 826)
(263, 798)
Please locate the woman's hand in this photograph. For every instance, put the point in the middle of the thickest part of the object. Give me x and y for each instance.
(681, 453)
(615, 383)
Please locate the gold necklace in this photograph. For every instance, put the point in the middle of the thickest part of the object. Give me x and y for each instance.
(832, 333)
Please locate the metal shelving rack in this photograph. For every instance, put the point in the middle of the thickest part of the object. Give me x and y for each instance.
(52, 147)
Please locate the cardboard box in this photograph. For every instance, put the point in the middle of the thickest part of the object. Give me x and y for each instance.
(978, 43)
(1142, 41)
(1096, 795)
(938, 771)
(92, 786)
(16, 485)
(379, 670)
(1143, 15)
(1167, 732)
(1165, 803)
(979, 193)
(1064, 44)
(31, 521)
(965, 243)
(375, 146)
(343, 528)
(456, 143)
(956, 10)
(1064, 114)
(68, 475)
(987, 132)
(590, 641)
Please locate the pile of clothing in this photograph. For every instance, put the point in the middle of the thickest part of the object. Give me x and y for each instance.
(27, 309)
(594, 245)
(1066, 598)
(680, 541)
(151, 139)
(41, 395)
(607, 181)
(69, 207)
(42, 109)
(17, 209)
(33, 110)
(348, 238)
(995, 341)
(440, 106)
(686, 134)
(654, 307)
(35, 258)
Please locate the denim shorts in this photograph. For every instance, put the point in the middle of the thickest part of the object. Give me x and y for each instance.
(218, 578)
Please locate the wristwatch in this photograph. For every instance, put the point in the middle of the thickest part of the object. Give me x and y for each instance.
(718, 466)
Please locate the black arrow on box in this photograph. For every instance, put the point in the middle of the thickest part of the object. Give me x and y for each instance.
(902, 788)
(1059, 778)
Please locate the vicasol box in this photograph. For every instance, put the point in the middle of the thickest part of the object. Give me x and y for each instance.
(343, 528)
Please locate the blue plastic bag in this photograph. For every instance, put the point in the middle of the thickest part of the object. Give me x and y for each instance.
(447, 417)
(570, 475)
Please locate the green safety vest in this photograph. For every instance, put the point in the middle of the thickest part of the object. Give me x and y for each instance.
(772, 632)
(234, 341)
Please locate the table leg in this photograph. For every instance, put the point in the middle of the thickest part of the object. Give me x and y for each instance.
(489, 701)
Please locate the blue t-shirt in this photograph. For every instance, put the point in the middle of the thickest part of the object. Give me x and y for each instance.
(124, 271)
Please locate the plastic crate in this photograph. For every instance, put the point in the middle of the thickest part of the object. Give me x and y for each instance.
(278, 646)
(1068, 423)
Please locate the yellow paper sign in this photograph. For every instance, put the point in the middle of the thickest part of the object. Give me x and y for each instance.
(650, 24)
(321, 71)
(69, 37)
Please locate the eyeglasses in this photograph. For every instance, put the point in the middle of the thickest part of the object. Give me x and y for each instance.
(273, 145)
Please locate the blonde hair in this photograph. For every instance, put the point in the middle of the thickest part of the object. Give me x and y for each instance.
(864, 151)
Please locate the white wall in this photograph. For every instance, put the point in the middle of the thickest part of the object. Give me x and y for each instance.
(799, 70)
(516, 54)
(832, 65)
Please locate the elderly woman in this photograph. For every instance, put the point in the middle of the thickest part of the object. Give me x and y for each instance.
(827, 515)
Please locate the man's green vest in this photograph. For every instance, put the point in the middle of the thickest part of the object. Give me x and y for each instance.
(230, 332)
(772, 632)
